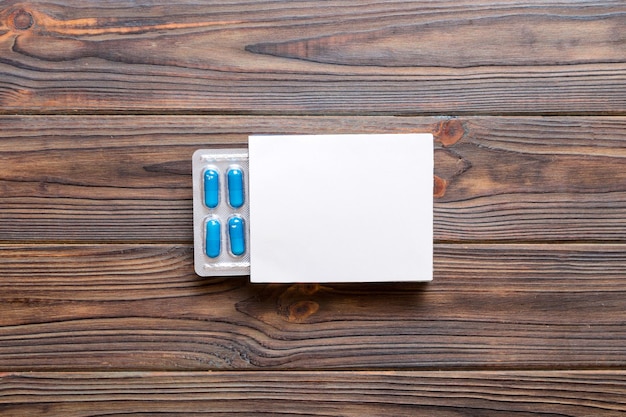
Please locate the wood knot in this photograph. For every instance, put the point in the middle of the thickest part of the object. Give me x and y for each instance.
(440, 186)
(21, 20)
(449, 132)
(300, 310)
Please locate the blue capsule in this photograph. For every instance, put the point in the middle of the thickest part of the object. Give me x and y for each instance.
(211, 188)
(237, 235)
(235, 187)
(213, 238)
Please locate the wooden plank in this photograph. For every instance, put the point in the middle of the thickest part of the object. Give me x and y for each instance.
(127, 178)
(528, 179)
(134, 307)
(451, 57)
(516, 393)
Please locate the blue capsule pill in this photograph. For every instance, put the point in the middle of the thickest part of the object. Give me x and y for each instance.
(237, 235)
(213, 238)
(211, 188)
(235, 187)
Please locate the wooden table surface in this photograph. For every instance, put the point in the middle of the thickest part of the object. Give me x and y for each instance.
(103, 103)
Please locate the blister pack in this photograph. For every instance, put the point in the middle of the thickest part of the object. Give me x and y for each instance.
(221, 212)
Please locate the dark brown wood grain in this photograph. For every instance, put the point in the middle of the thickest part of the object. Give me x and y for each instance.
(349, 57)
(103, 103)
(141, 307)
(128, 178)
(356, 394)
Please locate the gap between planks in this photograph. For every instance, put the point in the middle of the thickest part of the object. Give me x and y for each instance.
(320, 114)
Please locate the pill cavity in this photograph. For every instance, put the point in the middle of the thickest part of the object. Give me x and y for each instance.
(237, 235)
(211, 188)
(235, 187)
(213, 238)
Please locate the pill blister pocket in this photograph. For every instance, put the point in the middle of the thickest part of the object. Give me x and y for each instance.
(221, 212)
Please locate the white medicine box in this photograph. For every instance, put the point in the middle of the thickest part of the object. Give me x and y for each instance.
(316, 208)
